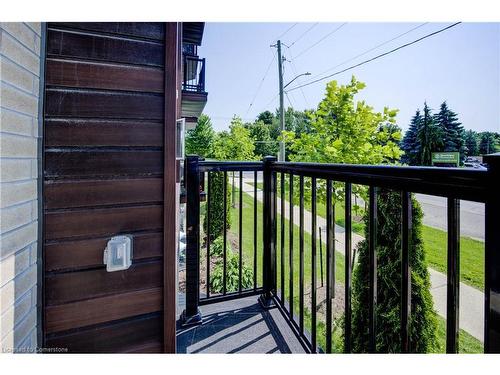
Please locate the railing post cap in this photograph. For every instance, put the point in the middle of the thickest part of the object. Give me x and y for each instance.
(493, 160)
(267, 159)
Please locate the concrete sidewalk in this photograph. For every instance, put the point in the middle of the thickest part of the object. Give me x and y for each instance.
(471, 299)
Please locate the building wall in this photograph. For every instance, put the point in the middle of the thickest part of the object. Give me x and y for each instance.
(20, 45)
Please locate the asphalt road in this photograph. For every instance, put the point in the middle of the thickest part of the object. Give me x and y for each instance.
(471, 215)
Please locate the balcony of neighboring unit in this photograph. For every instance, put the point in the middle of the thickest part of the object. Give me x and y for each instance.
(194, 95)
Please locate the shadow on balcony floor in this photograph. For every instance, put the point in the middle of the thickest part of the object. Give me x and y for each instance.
(238, 326)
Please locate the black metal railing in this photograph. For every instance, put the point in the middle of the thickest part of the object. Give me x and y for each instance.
(453, 183)
(189, 49)
(194, 74)
(196, 171)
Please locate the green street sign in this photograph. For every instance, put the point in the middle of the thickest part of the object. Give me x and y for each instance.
(446, 158)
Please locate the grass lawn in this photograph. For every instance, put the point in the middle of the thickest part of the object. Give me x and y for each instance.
(468, 344)
(471, 255)
(435, 244)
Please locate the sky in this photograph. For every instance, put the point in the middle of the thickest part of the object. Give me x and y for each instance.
(460, 65)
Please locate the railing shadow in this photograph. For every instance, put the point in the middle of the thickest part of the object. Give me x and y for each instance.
(244, 330)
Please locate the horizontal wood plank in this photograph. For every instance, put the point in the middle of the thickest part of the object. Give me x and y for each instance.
(113, 338)
(104, 48)
(88, 253)
(93, 75)
(103, 104)
(95, 132)
(74, 163)
(149, 30)
(147, 348)
(76, 286)
(102, 222)
(99, 310)
(87, 193)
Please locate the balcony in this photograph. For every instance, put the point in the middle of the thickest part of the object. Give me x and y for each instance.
(278, 308)
(194, 75)
(194, 96)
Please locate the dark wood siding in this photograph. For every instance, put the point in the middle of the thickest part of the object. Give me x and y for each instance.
(104, 174)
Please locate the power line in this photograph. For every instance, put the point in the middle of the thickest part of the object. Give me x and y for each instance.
(377, 57)
(286, 31)
(261, 83)
(289, 101)
(371, 49)
(302, 35)
(319, 41)
(269, 103)
(295, 72)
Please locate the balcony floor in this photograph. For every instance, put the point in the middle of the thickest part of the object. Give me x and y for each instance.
(239, 326)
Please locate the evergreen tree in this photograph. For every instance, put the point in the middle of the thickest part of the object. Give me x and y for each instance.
(423, 322)
(452, 130)
(199, 141)
(429, 136)
(410, 144)
(471, 143)
(233, 145)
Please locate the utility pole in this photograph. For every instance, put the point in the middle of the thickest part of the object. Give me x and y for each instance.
(282, 109)
(281, 156)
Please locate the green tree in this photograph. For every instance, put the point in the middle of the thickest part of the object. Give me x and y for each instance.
(236, 144)
(430, 137)
(199, 141)
(423, 322)
(266, 117)
(452, 130)
(343, 131)
(410, 144)
(471, 143)
(264, 144)
(487, 143)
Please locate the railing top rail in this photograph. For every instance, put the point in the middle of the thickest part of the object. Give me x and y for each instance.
(459, 183)
(230, 166)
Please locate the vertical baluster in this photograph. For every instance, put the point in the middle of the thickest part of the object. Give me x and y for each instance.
(372, 245)
(240, 234)
(453, 272)
(330, 264)
(275, 229)
(282, 239)
(255, 230)
(314, 230)
(209, 191)
(290, 255)
(406, 229)
(321, 256)
(348, 267)
(224, 236)
(301, 254)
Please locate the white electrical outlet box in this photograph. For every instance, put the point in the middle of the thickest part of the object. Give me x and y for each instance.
(118, 253)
